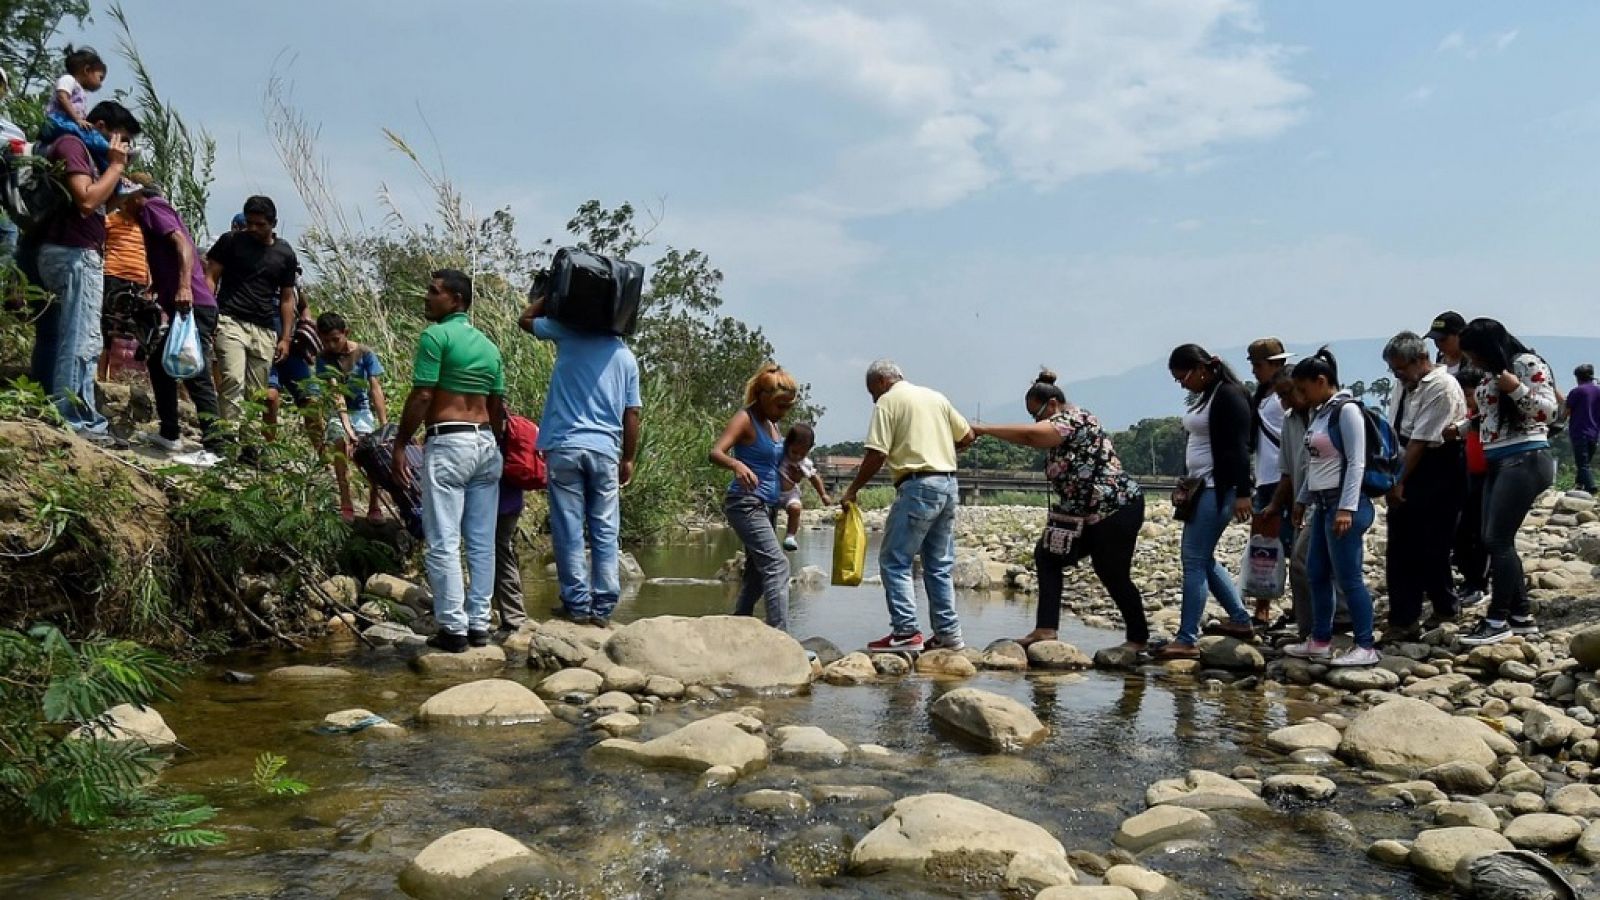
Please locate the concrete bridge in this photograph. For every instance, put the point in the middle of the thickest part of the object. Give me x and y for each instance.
(837, 472)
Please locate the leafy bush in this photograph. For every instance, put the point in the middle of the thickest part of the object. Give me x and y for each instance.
(53, 688)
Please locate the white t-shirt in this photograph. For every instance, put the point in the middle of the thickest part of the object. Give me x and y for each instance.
(1267, 448)
(1197, 458)
(1436, 403)
(68, 85)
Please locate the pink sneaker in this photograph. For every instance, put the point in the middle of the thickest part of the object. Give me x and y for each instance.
(1310, 649)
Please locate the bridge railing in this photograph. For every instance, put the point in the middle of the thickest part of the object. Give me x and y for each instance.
(977, 482)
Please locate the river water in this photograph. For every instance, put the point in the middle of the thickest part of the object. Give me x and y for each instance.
(622, 832)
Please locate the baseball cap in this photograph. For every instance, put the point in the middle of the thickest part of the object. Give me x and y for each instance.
(1268, 350)
(1446, 324)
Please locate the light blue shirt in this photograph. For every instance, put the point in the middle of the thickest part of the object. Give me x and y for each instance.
(595, 380)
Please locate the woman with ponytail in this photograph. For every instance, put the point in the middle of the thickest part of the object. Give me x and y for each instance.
(1517, 401)
(1097, 513)
(1339, 513)
(751, 447)
(1217, 456)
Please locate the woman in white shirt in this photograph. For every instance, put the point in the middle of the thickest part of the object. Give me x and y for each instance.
(1340, 514)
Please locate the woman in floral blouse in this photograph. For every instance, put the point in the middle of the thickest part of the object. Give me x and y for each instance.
(1097, 513)
(1517, 401)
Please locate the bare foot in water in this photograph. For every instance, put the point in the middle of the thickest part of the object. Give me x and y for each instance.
(1035, 636)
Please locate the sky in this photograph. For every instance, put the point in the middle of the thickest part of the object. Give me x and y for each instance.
(970, 189)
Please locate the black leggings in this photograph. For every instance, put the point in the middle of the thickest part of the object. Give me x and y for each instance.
(1109, 544)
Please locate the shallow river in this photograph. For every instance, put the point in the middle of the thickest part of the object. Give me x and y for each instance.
(624, 832)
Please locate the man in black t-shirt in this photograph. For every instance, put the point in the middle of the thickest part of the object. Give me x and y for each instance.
(254, 273)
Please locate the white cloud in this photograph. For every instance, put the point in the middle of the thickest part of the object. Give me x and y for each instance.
(1421, 95)
(1024, 89)
(1189, 224)
(1473, 48)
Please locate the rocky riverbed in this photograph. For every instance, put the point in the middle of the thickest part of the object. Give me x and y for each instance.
(709, 756)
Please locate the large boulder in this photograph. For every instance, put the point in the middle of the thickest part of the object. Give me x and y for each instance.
(1436, 851)
(971, 570)
(733, 651)
(999, 723)
(698, 746)
(558, 644)
(959, 838)
(472, 862)
(1230, 653)
(1200, 789)
(1057, 655)
(569, 681)
(130, 724)
(855, 668)
(492, 701)
(810, 744)
(1309, 736)
(476, 662)
(1545, 832)
(1406, 734)
(1159, 825)
(309, 675)
(945, 664)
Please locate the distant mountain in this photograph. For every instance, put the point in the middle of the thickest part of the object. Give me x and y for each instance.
(1148, 391)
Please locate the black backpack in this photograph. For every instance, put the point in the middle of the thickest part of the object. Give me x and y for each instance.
(32, 192)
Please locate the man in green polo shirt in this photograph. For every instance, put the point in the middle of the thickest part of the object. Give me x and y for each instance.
(457, 390)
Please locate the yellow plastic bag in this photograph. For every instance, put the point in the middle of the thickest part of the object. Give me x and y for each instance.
(849, 546)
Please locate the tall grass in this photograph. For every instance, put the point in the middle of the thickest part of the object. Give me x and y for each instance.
(377, 280)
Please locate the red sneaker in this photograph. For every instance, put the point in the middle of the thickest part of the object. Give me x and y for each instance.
(912, 641)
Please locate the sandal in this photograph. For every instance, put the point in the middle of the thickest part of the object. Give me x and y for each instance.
(348, 514)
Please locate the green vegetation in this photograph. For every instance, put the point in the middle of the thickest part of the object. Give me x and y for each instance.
(1152, 447)
(694, 360)
(270, 780)
(54, 771)
(1040, 499)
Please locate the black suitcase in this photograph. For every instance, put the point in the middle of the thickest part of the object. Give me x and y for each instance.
(374, 453)
(594, 293)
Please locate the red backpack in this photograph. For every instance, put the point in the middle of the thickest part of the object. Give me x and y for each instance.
(524, 464)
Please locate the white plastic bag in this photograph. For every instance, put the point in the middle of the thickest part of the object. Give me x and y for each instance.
(1263, 570)
(182, 357)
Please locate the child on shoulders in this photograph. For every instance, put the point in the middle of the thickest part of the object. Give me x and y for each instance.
(66, 111)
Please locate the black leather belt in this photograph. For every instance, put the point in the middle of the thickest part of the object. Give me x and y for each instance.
(454, 428)
(909, 476)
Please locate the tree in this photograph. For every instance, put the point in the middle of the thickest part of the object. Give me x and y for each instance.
(30, 52)
(1382, 388)
(1358, 389)
(1152, 447)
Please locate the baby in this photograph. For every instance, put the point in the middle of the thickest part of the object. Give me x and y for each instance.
(795, 469)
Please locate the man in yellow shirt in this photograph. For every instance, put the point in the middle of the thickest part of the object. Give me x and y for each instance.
(917, 432)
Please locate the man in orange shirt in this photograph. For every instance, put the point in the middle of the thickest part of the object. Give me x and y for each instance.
(127, 303)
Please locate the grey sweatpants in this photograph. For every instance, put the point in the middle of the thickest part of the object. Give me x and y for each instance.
(507, 573)
(1300, 585)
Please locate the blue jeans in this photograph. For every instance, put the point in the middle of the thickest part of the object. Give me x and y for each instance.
(460, 498)
(923, 519)
(1198, 551)
(1337, 560)
(67, 342)
(766, 566)
(1583, 459)
(8, 238)
(584, 491)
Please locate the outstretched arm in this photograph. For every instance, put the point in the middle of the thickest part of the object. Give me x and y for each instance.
(1038, 435)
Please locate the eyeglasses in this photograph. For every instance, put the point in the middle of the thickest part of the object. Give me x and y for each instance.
(1042, 413)
(1183, 377)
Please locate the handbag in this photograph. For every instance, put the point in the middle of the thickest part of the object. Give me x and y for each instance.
(1061, 531)
(1186, 498)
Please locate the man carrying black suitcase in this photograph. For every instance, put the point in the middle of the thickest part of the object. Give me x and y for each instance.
(589, 435)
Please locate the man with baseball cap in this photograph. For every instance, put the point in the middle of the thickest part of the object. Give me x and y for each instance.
(1446, 335)
(1268, 364)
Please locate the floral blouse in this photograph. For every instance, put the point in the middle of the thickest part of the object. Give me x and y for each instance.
(1535, 398)
(1084, 468)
